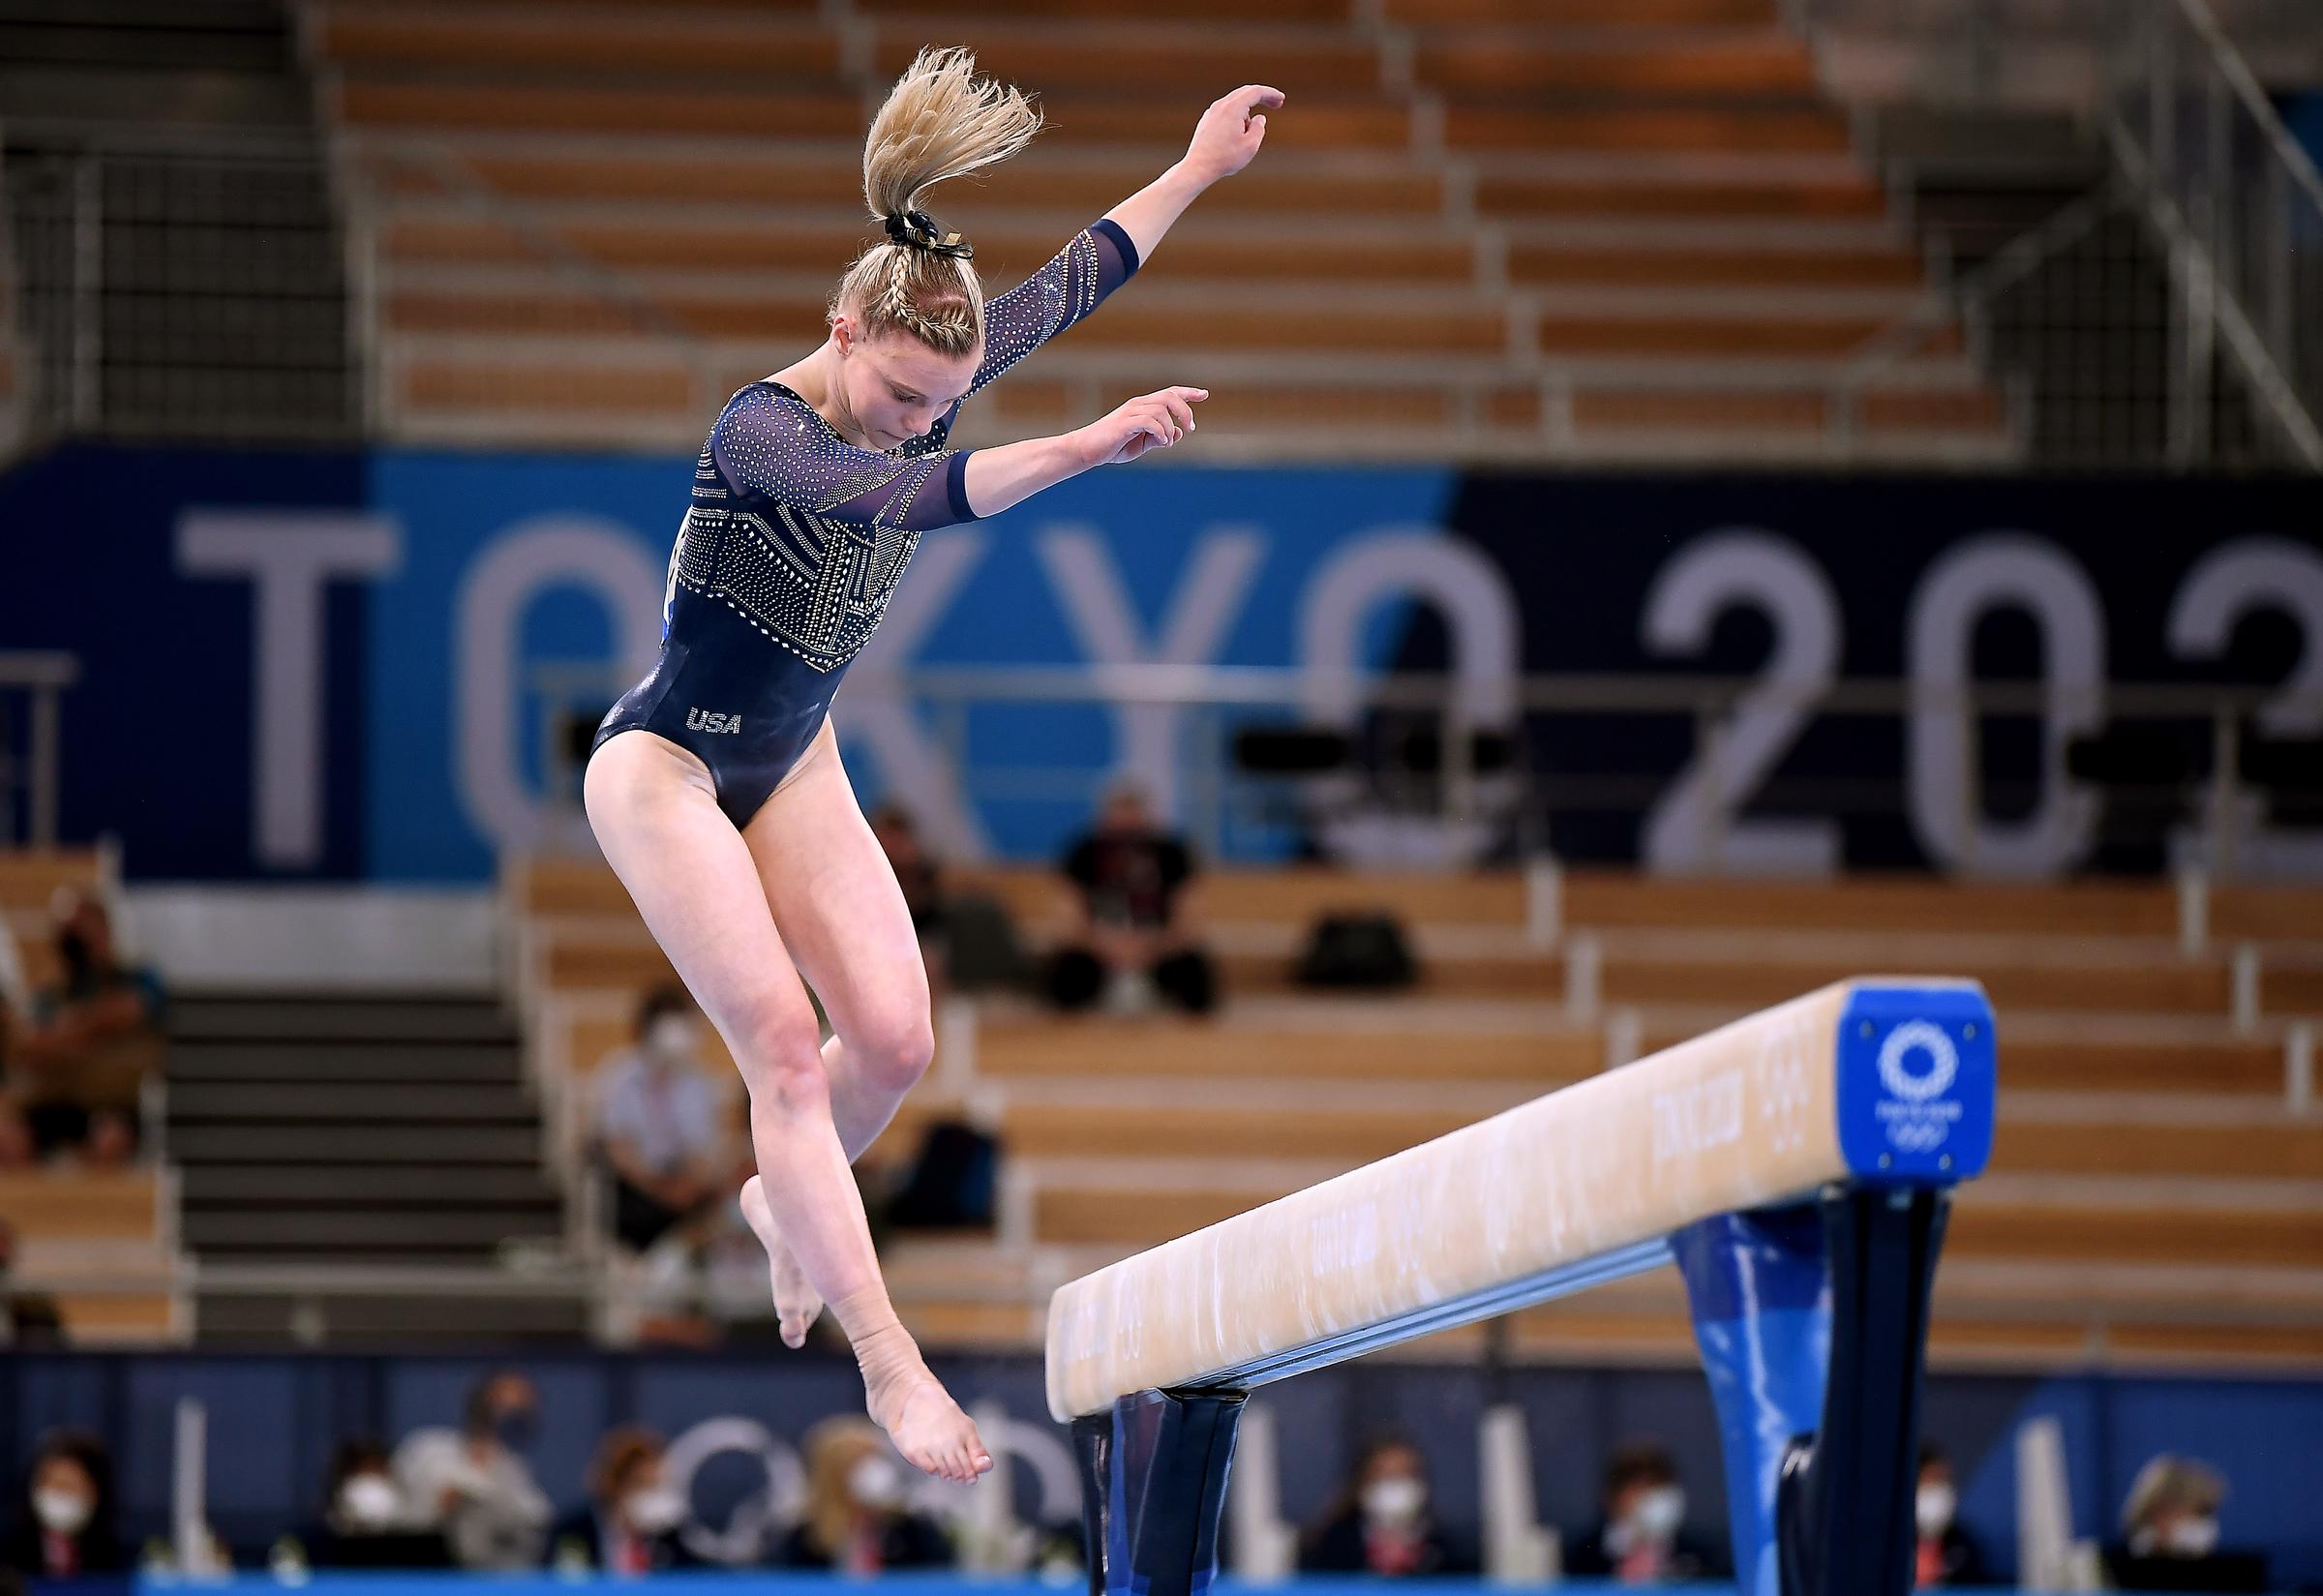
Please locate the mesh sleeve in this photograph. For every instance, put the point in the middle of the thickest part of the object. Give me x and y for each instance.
(769, 443)
(1097, 260)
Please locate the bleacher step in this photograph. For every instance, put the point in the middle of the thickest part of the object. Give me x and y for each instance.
(357, 1145)
(461, 1102)
(462, 1229)
(341, 1020)
(224, 1062)
(218, 1187)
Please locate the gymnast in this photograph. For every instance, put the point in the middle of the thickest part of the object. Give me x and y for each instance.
(730, 817)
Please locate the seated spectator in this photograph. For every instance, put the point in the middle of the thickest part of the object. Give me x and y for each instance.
(91, 1041)
(857, 1520)
(917, 872)
(473, 1485)
(2170, 1533)
(967, 939)
(1135, 935)
(629, 1527)
(1641, 1538)
(65, 1528)
(26, 1320)
(660, 1122)
(1380, 1522)
(365, 1521)
(16, 1149)
(1946, 1556)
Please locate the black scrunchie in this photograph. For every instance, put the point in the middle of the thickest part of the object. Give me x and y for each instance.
(913, 230)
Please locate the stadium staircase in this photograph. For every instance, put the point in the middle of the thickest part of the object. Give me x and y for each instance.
(350, 1167)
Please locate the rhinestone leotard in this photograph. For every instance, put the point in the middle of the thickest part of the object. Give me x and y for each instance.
(796, 539)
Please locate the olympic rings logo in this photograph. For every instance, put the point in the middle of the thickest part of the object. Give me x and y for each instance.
(1943, 1061)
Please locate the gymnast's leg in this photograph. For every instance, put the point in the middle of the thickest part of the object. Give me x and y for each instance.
(844, 919)
(656, 818)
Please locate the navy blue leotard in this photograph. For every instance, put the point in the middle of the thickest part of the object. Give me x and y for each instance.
(796, 539)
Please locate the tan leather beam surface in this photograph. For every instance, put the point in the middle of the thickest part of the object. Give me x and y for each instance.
(1741, 1117)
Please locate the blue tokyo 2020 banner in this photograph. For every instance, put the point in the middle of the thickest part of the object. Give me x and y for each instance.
(304, 665)
(351, 665)
(526, 586)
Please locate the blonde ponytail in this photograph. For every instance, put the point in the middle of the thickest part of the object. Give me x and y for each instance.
(940, 121)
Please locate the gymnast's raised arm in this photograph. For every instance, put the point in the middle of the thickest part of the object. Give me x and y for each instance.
(1224, 140)
(1102, 258)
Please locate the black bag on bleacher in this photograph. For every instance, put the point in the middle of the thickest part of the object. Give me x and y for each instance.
(1361, 952)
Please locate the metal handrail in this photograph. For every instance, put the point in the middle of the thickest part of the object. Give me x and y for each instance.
(2245, 84)
(45, 675)
(2194, 194)
(1971, 300)
(1231, 685)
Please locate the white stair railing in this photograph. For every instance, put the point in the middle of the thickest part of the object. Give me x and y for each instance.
(2237, 206)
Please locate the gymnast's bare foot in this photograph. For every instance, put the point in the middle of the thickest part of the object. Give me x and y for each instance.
(929, 1427)
(795, 1303)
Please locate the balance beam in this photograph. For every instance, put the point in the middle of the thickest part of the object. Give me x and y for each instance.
(1866, 1101)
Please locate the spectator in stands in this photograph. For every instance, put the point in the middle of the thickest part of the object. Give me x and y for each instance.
(473, 1484)
(1946, 1555)
(65, 1527)
(366, 1522)
(967, 940)
(25, 1320)
(1379, 1524)
(857, 1519)
(916, 869)
(1136, 936)
(2170, 1533)
(1642, 1540)
(17, 1148)
(660, 1122)
(91, 1041)
(629, 1527)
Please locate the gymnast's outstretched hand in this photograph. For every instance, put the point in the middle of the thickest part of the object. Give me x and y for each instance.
(1230, 131)
(1150, 421)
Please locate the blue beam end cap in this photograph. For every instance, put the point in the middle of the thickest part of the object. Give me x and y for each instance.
(1917, 1074)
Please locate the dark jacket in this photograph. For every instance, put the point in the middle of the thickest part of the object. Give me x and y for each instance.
(98, 1550)
(906, 1540)
(1338, 1547)
(584, 1529)
(1959, 1563)
(1690, 1558)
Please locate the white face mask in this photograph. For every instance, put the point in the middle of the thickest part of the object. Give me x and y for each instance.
(1658, 1513)
(653, 1511)
(670, 1039)
(62, 1512)
(874, 1482)
(1933, 1508)
(1394, 1501)
(2191, 1538)
(370, 1501)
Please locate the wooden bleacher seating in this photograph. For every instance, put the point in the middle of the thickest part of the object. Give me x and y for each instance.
(80, 1221)
(1509, 204)
(93, 1222)
(2151, 1200)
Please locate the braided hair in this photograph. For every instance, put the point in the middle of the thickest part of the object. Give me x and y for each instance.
(939, 121)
